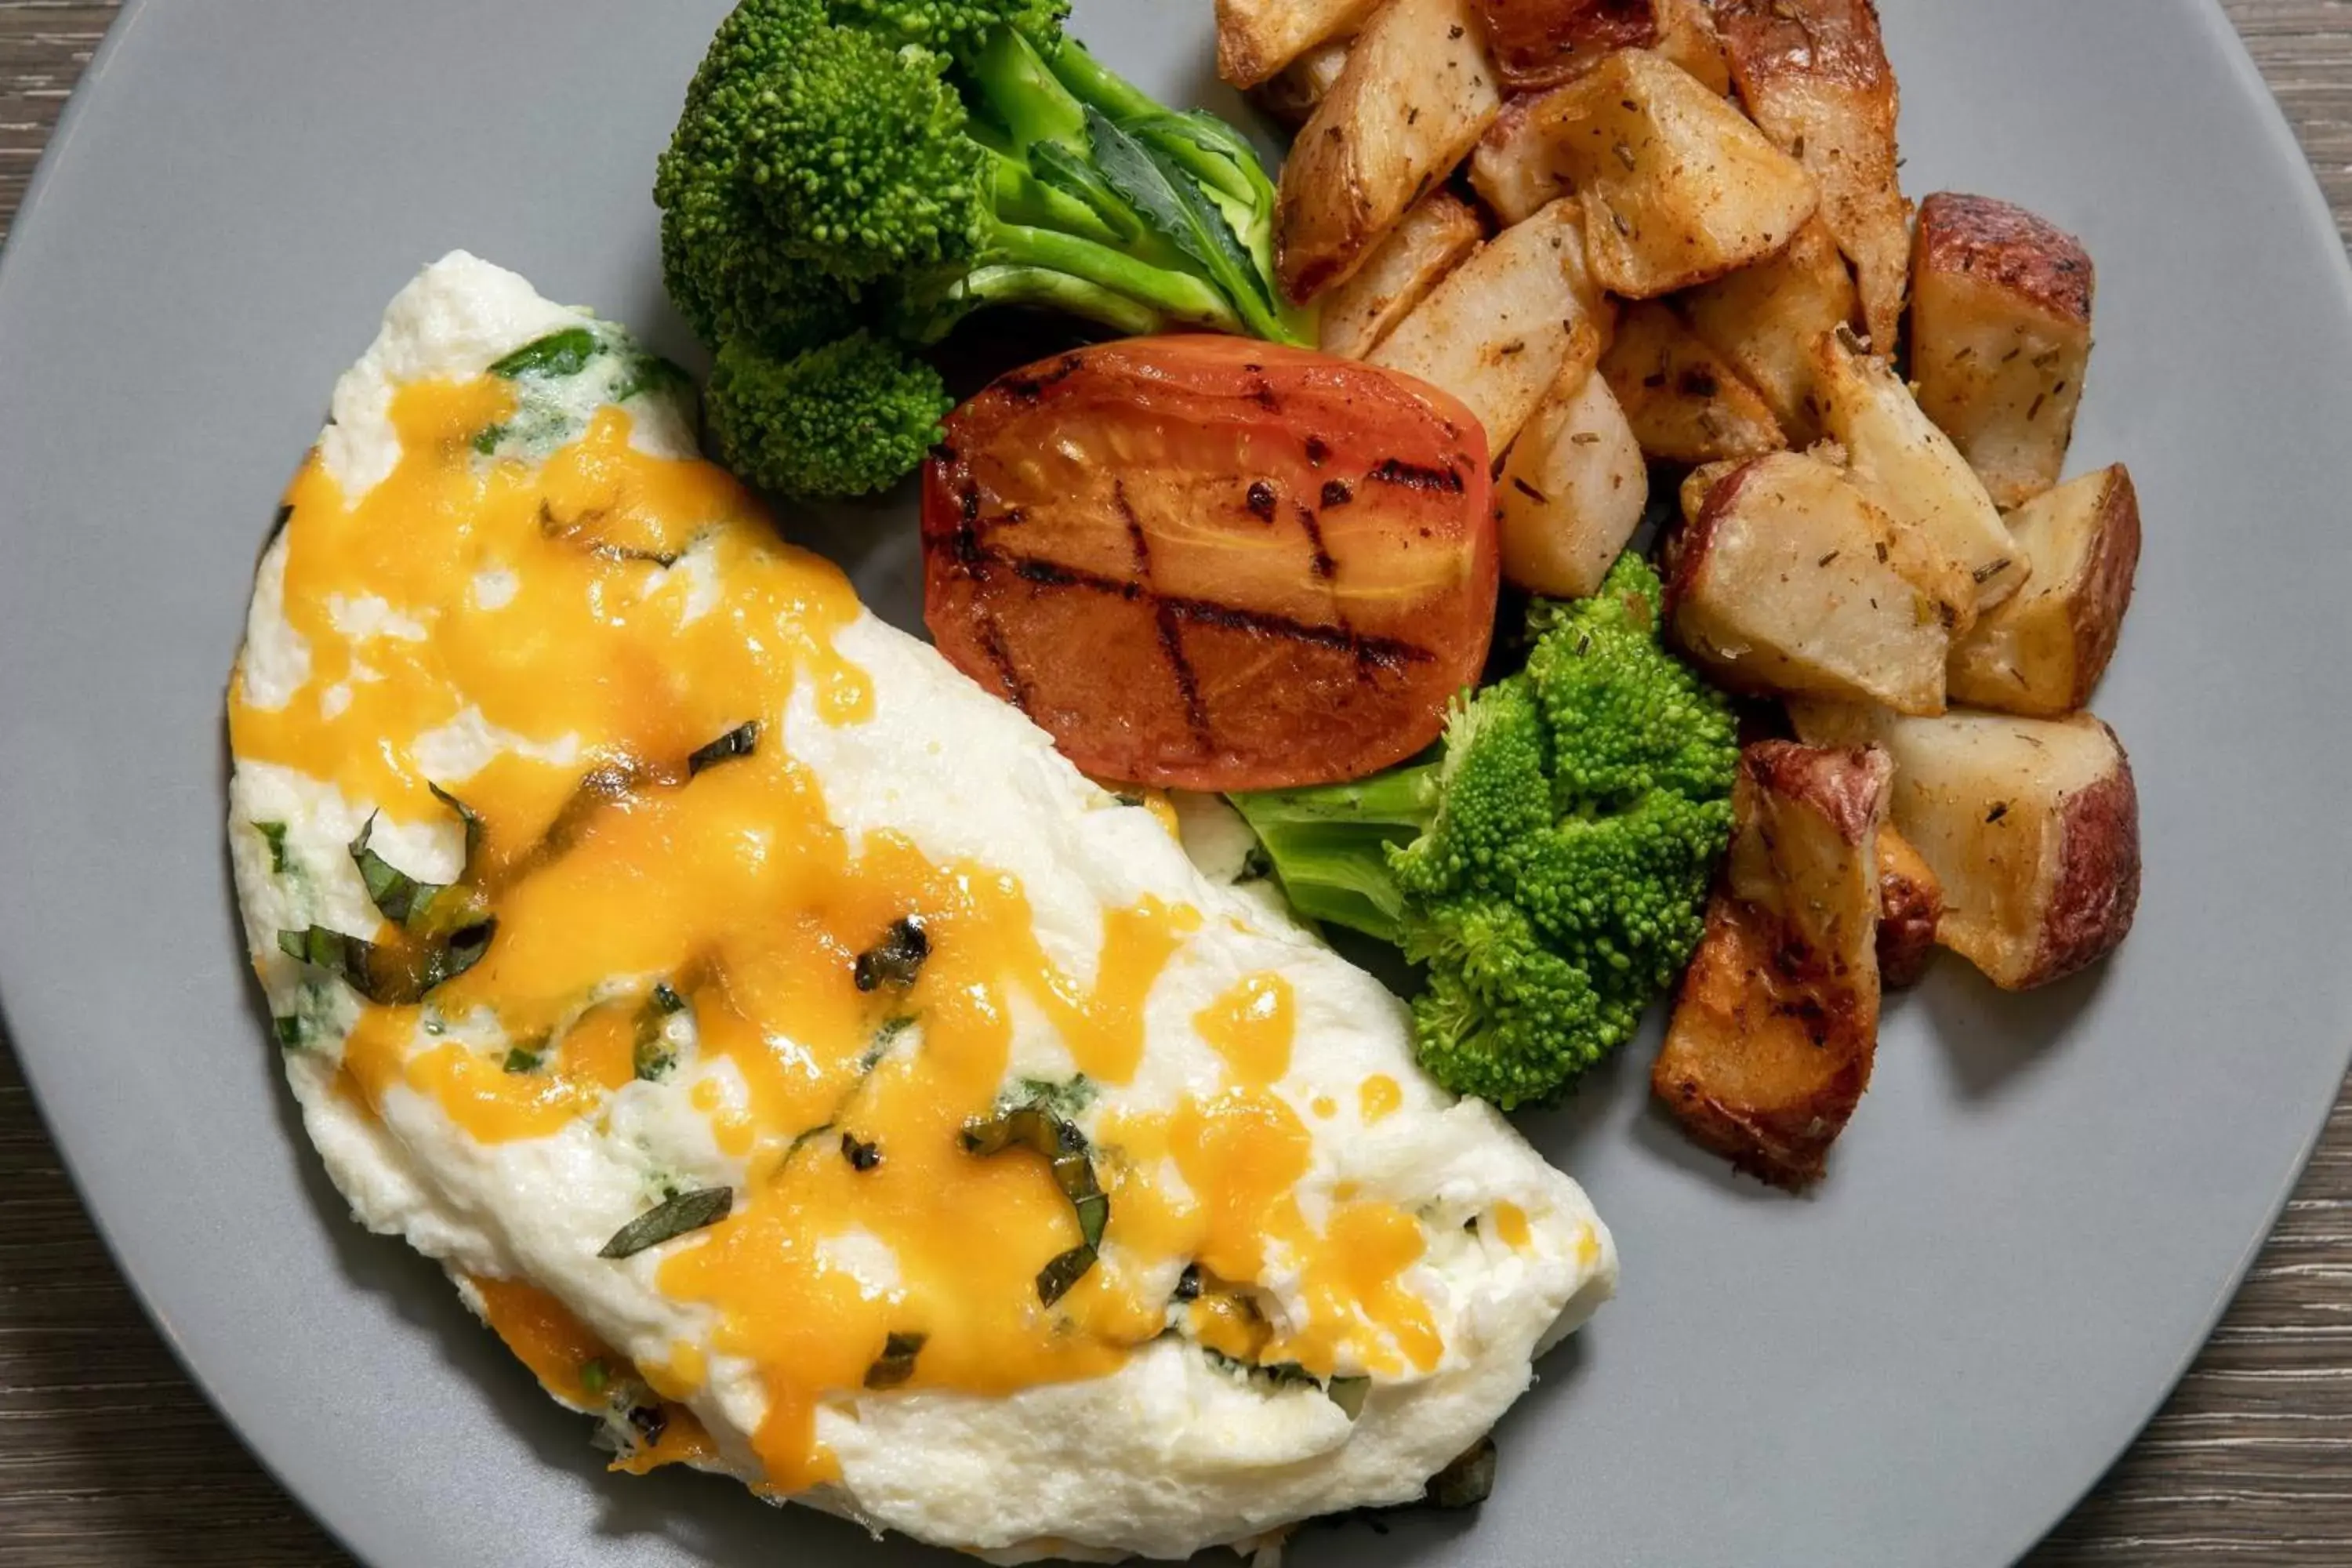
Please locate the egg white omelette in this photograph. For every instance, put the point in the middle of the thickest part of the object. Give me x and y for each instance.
(798, 1063)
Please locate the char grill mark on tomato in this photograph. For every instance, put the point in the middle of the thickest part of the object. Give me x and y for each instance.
(1126, 542)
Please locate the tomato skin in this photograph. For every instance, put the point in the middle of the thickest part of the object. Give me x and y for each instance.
(1214, 563)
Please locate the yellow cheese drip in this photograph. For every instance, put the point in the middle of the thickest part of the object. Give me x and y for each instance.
(549, 616)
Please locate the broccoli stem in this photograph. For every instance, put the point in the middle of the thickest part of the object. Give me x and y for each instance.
(1330, 844)
(1020, 92)
(1178, 298)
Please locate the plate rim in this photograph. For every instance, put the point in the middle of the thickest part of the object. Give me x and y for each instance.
(2312, 213)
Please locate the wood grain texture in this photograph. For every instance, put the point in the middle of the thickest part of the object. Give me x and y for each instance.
(109, 1459)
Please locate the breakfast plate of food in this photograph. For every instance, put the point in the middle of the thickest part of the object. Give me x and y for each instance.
(1418, 782)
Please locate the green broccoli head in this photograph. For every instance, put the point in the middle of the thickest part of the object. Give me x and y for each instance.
(1551, 864)
(887, 166)
(956, 26)
(845, 418)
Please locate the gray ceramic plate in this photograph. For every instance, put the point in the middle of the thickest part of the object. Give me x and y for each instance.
(2036, 1216)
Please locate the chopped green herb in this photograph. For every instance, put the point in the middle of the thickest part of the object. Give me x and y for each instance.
(1053, 1280)
(737, 742)
(274, 835)
(399, 897)
(1468, 1480)
(557, 355)
(466, 815)
(897, 959)
(487, 441)
(1067, 1098)
(593, 1377)
(1349, 1394)
(1281, 1374)
(651, 1057)
(522, 1060)
(647, 373)
(289, 1031)
(801, 1140)
(896, 1363)
(666, 1221)
(348, 957)
(1039, 1129)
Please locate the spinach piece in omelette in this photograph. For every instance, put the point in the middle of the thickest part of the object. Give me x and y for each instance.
(273, 833)
(669, 1219)
(896, 1363)
(561, 379)
(1044, 1132)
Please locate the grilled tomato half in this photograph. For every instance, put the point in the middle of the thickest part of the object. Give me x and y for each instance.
(1213, 563)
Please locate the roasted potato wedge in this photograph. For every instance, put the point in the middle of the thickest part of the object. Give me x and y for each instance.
(1776, 1028)
(1256, 38)
(2001, 338)
(1678, 187)
(1501, 327)
(1516, 168)
(1687, 405)
(1403, 269)
(1781, 584)
(1766, 319)
(1416, 94)
(1686, 36)
(2031, 824)
(1291, 96)
(1543, 43)
(1814, 75)
(1917, 477)
(1910, 906)
(1571, 491)
(2042, 651)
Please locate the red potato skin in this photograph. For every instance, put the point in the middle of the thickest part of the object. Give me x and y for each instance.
(1910, 906)
(2097, 893)
(1214, 563)
(1542, 43)
(2010, 247)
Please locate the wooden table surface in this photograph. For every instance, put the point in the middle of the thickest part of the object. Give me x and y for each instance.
(108, 1459)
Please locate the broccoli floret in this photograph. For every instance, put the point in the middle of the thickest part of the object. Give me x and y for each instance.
(1548, 866)
(885, 167)
(825, 421)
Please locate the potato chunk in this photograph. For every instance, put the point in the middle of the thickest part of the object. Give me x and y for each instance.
(1503, 326)
(1571, 491)
(1416, 95)
(1910, 907)
(1687, 36)
(1916, 475)
(1814, 75)
(2042, 652)
(1516, 168)
(1687, 404)
(1256, 38)
(1402, 270)
(1781, 583)
(1774, 1032)
(2001, 338)
(1766, 319)
(2031, 824)
(1677, 186)
(1293, 94)
(1542, 43)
